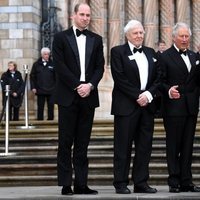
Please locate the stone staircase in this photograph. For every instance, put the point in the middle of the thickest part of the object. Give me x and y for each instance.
(35, 149)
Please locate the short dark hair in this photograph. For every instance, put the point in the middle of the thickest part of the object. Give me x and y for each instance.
(161, 41)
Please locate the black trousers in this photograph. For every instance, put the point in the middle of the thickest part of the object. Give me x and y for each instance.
(137, 128)
(14, 113)
(41, 99)
(179, 143)
(75, 125)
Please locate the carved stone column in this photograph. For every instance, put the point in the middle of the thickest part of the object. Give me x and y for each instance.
(183, 11)
(114, 23)
(166, 20)
(196, 24)
(62, 13)
(151, 22)
(133, 10)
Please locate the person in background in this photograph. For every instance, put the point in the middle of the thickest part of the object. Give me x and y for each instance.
(161, 46)
(43, 80)
(13, 78)
(136, 76)
(79, 65)
(180, 90)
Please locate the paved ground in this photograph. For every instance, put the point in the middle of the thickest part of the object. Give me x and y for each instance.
(105, 193)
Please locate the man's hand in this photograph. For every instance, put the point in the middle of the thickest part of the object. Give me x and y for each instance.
(174, 93)
(142, 100)
(84, 90)
(34, 90)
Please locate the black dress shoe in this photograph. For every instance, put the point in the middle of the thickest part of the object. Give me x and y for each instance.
(66, 190)
(190, 188)
(144, 189)
(122, 190)
(84, 190)
(174, 189)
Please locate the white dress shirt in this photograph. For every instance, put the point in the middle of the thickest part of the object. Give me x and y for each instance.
(143, 68)
(81, 42)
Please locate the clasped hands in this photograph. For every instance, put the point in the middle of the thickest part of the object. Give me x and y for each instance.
(84, 90)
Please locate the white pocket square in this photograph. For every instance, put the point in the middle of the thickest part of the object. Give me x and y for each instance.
(197, 62)
(154, 60)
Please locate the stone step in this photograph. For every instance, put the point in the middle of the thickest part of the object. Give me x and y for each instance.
(36, 150)
(43, 149)
(51, 180)
(35, 169)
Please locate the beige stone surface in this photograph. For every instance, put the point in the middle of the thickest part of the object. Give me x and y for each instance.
(4, 2)
(4, 17)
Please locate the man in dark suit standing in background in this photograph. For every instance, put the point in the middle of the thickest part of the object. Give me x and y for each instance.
(79, 61)
(180, 108)
(136, 78)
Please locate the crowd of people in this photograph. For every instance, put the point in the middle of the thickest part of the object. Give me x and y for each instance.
(147, 83)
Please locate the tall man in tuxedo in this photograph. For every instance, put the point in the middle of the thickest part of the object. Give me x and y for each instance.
(180, 107)
(136, 76)
(79, 61)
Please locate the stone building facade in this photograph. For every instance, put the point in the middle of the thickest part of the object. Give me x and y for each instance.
(21, 39)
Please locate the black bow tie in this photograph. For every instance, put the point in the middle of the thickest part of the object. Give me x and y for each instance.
(78, 32)
(139, 50)
(182, 52)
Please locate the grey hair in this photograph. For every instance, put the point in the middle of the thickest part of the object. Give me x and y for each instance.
(45, 50)
(132, 24)
(180, 25)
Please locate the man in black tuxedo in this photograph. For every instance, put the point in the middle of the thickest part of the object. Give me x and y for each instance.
(79, 66)
(136, 76)
(180, 68)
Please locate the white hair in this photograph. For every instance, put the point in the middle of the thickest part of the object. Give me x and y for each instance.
(45, 50)
(132, 24)
(180, 25)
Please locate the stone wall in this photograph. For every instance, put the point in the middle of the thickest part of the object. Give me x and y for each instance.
(19, 33)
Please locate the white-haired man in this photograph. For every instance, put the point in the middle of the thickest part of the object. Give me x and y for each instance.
(136, 78)
(180, 90)
(43, 80)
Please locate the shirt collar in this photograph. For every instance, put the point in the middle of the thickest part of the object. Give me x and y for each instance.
(132, 46)
(178, 48)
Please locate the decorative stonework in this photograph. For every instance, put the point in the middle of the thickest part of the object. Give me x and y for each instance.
(196, 23)
(166, 20)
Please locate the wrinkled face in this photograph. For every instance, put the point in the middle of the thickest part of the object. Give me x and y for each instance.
(136, 35)
(182, 38)
(82, 17)
(45, 56)
(11, 67)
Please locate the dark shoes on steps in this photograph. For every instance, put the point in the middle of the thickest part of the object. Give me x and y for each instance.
(144, 189)
(188, 188)
(66, 190)
(137, 189)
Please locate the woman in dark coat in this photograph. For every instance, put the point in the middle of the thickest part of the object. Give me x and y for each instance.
(13, 78)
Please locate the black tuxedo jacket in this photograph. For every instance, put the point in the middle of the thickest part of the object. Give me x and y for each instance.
(67, 66)
(175, 72)
(126, 78)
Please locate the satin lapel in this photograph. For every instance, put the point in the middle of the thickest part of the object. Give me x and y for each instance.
(89, 49)
(176, 57)
(72, 41)
(133, 63)
(192, 59)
